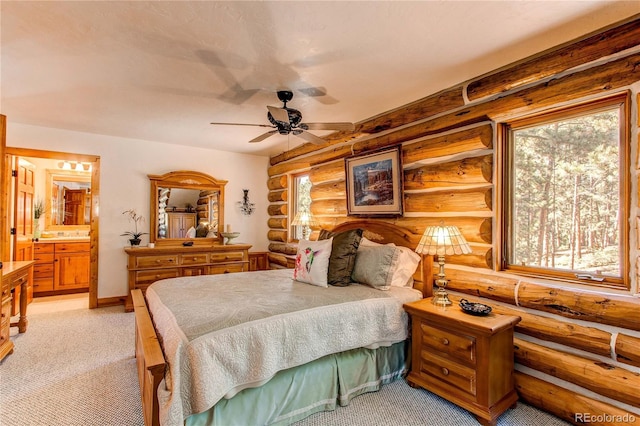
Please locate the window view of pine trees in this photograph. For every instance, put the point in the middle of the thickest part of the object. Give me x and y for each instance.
(566, 194)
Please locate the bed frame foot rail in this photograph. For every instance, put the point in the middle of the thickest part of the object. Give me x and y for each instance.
(149, 358)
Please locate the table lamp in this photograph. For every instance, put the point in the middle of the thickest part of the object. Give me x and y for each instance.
(305, 219)
(442, 240)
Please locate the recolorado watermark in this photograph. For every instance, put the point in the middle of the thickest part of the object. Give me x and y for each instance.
(603, 418)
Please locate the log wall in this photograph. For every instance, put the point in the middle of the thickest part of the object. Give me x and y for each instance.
(571, 338)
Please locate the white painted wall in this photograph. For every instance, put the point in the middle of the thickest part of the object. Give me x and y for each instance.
(124, 166)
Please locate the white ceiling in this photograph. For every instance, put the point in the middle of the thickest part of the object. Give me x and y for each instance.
(162, 71)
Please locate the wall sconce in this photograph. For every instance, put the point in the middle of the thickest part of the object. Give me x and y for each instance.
(246, 207)
(305, 219)
(442, 240)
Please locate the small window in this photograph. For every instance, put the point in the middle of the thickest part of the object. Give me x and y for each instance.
(301, 202)
(566, 194)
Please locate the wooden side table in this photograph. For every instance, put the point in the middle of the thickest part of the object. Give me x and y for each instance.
(465, 359)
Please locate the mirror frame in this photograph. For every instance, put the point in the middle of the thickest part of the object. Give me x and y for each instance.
(184, 179)
(67, 176)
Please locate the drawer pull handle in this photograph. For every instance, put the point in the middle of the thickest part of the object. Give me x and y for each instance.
(445, 341)
(445, 371)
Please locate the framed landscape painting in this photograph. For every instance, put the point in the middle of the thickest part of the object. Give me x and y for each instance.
(374, 183)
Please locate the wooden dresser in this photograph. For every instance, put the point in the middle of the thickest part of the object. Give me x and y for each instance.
(463, 358)
(147, 265)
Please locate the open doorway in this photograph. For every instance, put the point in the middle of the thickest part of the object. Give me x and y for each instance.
(53, 208)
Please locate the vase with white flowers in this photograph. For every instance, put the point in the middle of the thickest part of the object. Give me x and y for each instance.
(135, 234)
(38, 211)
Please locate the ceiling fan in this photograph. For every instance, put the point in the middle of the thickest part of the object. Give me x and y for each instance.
(289, 121)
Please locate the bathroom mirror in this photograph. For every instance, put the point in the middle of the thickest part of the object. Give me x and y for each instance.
(186, 200)
(68, 200)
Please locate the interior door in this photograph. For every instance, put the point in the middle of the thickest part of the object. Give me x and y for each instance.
(23, 221)
(74, 200)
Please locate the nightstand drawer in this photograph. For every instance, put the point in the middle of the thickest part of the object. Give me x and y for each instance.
(463, 378)
(461, 348)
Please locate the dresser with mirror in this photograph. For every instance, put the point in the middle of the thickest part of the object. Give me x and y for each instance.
(185, 235)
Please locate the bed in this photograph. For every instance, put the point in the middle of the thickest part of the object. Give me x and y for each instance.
(266, 372)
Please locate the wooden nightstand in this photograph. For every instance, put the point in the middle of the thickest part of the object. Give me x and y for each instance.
(463, 358)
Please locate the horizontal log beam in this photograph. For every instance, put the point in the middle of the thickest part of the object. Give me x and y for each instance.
(464, 200)
(605, 308)
(327, 172)
(453, 143)
(480, 257)
(283, 248)
(336, 189)
(278, 259)
(479, 137)
(277, 223)
(620, 385)
(600, 307)
(574, 335)
(277, 182)
(478, 284)
(557, 60)
(277, 236)
(430, 105)
(277, 209)
(454, 173)
(329, 207)
(628, 349)
(275, 196)
(567, 404)
(474, 229)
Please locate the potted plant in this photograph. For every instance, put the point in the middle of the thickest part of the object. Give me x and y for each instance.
(38, 211)
(135, 234)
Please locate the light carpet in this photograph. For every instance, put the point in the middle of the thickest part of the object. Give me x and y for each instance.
(77, 367)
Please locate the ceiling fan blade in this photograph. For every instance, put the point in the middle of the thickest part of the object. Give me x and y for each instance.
(263, 136)
(329, 126)
(279, 114)
(240, 124)
(310, 137)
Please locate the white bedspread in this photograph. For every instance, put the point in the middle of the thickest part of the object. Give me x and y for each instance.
(224, 333)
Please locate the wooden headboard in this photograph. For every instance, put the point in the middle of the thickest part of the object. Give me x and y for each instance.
(390, 233)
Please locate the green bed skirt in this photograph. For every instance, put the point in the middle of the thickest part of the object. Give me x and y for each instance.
(321, 385)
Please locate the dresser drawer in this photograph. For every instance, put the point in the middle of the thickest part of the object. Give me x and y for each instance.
(194, 259)
(452, 345)
(20, 279)
(230, 256)
(153, 275)
(43, 248)
(43, 257)
(156, 261)
(460, 376)
(72, 247)
(42, 284)
(226, 269)
(43, 271)
(5, 311)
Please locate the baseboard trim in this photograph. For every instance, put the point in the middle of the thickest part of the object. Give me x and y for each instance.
(111, 301)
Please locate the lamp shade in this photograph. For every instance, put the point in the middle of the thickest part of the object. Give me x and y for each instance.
(443, 240)
(304, 218)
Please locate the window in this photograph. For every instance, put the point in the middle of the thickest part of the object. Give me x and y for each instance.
(301, 201)
(566, 194)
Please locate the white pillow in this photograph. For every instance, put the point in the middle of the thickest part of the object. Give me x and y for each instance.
(312, 262)
(404, 266)
(408, 261)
